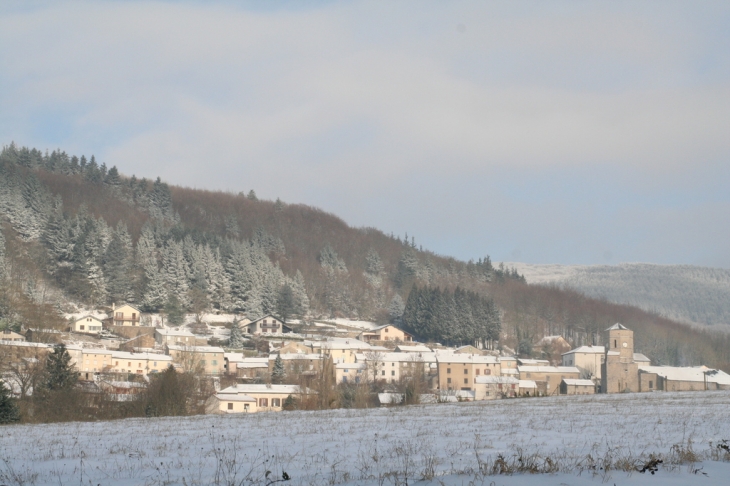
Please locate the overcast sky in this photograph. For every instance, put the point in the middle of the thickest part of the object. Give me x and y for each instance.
(543, 132)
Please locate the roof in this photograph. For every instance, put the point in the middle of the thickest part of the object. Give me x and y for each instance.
(195, 349)
(294, 356)
(535, 362)
(549, 369)
(354, 366)
(260, 388)
(617, 327)
(87, 316)
(418, 348)
(148, 356)
(527, 384)
(233, 397)
(638, 357)
(696, 374)
(587, 350)
(465, 358)
(175, 332)
(491, 380)
(574, 382)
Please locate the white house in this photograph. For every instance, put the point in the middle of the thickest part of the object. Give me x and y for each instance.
(87, 324)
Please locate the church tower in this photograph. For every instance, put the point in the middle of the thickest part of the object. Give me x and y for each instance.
(619, 372)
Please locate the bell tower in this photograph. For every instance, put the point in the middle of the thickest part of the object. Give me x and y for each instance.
(619, 372)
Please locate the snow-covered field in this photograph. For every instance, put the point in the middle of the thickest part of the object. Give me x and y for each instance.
(579, 440)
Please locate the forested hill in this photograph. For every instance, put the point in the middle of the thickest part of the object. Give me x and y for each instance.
(76, 231)
(699, 295)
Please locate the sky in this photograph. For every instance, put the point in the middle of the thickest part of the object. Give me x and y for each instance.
(542, 132)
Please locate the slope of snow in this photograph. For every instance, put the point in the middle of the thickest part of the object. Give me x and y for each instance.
(450, 444)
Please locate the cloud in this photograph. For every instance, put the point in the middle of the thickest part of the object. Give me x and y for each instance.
(339, 104)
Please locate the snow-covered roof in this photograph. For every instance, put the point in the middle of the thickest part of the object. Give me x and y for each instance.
(549, 369)
(233, 397)
(450, 357)
(587, 350)
(339, 343)
(27, 344)
(510, 371)
(418, 348)
(696, 374)
(527, 384)
(617, 327)
(638, 357)
(492, 380)
(96, 351)
(533, 362)
(354, 366)
(575, 382)
(294, 356)
(506, 358)
(261, 388)
(148, 356)
(195, 349)
(87, 316)
(175, 332)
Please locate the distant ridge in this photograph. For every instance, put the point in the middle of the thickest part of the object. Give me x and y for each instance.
(688, 293)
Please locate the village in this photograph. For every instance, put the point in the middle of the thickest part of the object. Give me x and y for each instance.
(270, 365)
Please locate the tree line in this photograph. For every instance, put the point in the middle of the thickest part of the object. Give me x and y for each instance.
(454, 318)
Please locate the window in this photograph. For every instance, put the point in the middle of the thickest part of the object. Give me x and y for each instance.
(651, 384)
(357, 379)
(392, 373)
(386, 329)
(276, 402)
(154, 363)
(344, 379)
(214, 362)
(615, 345)
(383, 372)
(139, 365)
(81, 327)
(230, 406)
(448, 380)
(466, 381)
(116, 363)
(263, 402)
(478, 371)
(129, 364)
(487, 372)
(466, 371)
(448, 370)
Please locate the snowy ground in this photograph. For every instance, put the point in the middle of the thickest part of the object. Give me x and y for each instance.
(583, 440)
(365, 325)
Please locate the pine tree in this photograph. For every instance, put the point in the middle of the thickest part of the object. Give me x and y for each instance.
(395, 309)
(175, 272)
(9, 412)
(252, 195)
(118, 265)
(278, 373)
(60, 373)
(285, 305)
(236, 340)
(174, 310)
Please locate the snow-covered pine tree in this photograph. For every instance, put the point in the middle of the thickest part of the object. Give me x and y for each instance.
(118, 265)
(175, 273)
(395, 309)
(236, 340)
(278, 373)
(299, 290)
(154, 295)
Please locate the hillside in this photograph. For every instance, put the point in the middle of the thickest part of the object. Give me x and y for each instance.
(79, 234)
(686, 293)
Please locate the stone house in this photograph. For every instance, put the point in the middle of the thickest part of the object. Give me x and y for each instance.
(548, 378)
(577, 387)
(459, 371)
(493, 387)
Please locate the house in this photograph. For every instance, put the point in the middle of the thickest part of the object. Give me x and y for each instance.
(121, 391)
(588, 359)
(298, 364)
(492, 387)
(527, 388)
(252, 368)
(387, 332)
(11, 336)
(175, 336)
(548, 378)
(569, 386)
(671, 378)
(90, 361)
(88, 325)
(458, 371)
(468, 349)
(392, 367)
(125, 315)
(266, 325)
(230, 403)
(139, 363)
(268, 398)
(206, 359)
(351, 373)
(294, 347)
(341, 350)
